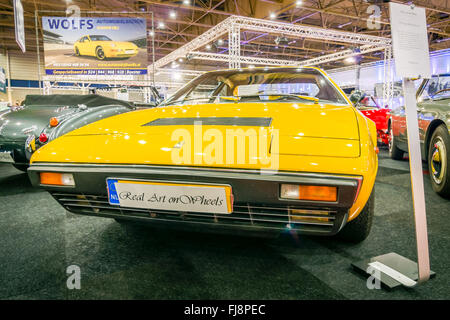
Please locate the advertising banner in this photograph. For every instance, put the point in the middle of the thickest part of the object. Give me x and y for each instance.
(19, 24)
(95, 46)
(2, 80)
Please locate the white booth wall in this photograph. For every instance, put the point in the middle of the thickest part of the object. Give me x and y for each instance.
(372, 75)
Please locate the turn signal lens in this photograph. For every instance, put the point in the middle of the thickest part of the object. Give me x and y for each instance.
(53, 122)
(43, 137)
(57, 179)
(313, 193)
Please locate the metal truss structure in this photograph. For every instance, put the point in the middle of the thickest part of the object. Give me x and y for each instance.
(183, 72)
(279, 62)
(388, 84)
(235, 24)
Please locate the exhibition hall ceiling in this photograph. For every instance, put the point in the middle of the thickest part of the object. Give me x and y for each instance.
(178, 22)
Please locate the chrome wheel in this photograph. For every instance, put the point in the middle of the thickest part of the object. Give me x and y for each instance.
(391, 139)
(100, 54)
(438, 160)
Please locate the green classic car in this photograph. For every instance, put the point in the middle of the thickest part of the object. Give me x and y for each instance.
(43, 118)
(433, 112)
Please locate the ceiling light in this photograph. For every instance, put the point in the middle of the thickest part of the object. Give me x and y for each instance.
(298, 2)
(186, 2)
(161, 25)
(251, 66)
(180, 60)
(172, 14)
(220, 42)
(272, 15)
(151, 33)
(208, 47)
(350, 60)
(176, 76)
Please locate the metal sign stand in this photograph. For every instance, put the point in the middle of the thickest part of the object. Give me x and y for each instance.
(391, 269)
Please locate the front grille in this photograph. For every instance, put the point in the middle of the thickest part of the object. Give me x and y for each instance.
(275, 217)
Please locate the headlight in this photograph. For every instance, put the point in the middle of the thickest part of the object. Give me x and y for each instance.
(312, 193)
(113, 45)
(57, 179)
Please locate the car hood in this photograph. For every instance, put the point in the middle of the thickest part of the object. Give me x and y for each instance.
(17, 125)
(148, 136)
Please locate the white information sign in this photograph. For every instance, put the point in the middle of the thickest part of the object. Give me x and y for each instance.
(410, 41)
(175, 197)
(19, 24)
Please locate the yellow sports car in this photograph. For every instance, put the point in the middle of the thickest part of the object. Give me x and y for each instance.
(103, 47)
(258, 149)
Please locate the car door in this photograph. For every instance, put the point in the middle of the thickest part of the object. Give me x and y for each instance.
(398, 126)
(90, 49)
(82, 47)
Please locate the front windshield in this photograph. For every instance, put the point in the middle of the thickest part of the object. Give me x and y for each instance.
(436, 88)
(259, 85)
(100, 38)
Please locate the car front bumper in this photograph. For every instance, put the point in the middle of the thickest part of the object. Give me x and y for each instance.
(257, 205)
(114, 53)
(16, 150)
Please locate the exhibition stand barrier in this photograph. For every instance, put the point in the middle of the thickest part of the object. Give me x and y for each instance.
(410, 45)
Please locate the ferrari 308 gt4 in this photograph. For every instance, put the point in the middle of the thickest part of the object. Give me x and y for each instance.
(259, 149)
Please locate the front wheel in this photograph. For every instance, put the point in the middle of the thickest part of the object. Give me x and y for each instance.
(77, 52)
(359, 228)
(21, 167)
(100, 54)
(394, 152)
(438, 164)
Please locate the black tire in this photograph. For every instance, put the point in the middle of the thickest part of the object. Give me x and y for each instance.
(77, 52)
(359, 228)
(21, 167)
(123, 221)
(100, 54)
(438, 161)
(394, 152)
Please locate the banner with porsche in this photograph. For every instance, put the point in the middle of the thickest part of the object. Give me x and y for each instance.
(95, 46)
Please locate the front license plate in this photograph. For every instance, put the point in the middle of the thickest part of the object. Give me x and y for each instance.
(6, 157)
(129, 51)
(170, 196)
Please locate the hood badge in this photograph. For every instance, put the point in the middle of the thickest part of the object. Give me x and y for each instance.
(29, 129)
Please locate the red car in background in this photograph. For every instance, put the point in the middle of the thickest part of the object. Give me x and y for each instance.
(372, 110)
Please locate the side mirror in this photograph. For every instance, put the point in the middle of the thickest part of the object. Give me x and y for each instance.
(356, 97)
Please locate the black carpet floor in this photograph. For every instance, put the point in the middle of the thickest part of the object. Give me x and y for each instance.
(39, 240)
